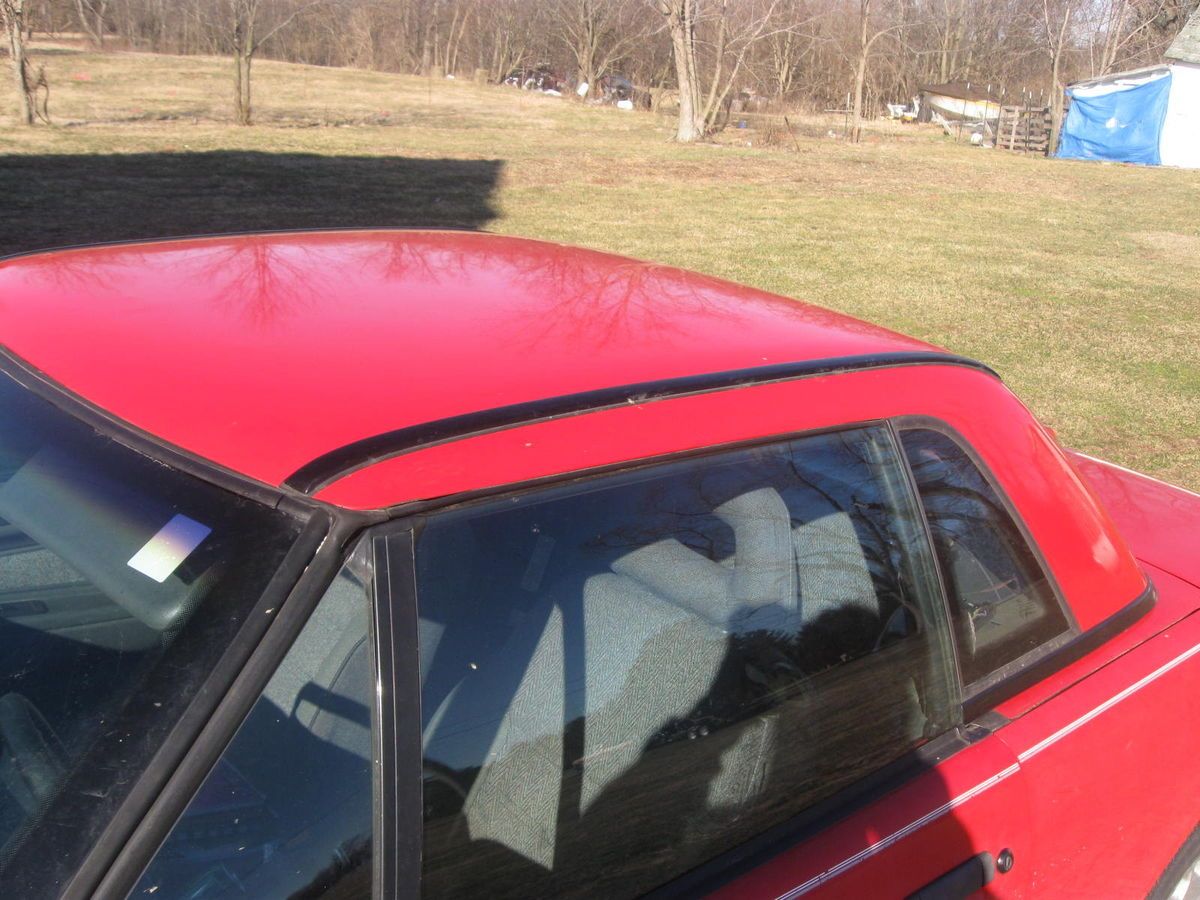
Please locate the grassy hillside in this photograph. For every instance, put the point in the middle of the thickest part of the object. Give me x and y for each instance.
(1079, 282)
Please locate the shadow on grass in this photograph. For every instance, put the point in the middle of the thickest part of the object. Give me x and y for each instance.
(61, 200)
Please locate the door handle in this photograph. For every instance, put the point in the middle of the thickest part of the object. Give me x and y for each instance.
(964, 879)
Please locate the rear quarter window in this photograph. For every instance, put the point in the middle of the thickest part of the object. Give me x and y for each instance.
(1003, 605)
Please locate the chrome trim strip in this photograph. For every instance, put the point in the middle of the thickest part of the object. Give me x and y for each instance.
(1107, 704)
(883, 843)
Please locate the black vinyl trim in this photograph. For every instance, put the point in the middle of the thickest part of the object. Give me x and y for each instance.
(400, 819)
(180, 775)
(329, 467)
(180, 739)
(963, 881)
(1062, 656)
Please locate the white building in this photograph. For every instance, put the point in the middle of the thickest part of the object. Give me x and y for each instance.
(1149, 116)
(1179, 143)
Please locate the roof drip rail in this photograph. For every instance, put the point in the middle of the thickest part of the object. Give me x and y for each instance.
(336, 464)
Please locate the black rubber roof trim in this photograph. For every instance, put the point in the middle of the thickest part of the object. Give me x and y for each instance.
(331, 466)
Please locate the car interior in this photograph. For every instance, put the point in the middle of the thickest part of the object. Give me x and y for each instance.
(287, 811)
(90, 622)
(579, 654)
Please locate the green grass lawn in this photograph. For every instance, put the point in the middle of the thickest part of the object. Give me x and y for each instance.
(1079, 282)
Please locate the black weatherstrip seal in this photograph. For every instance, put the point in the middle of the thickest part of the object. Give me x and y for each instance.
(329, 467)
(1061, 657)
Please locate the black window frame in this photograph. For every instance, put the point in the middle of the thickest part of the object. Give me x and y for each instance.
(118, 859)
(1009, 680)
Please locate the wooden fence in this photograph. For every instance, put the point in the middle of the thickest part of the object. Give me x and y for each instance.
(1024, 128)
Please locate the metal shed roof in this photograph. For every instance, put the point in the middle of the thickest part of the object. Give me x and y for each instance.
(1186, 46)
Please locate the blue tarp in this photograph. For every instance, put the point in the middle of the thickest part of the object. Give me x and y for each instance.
(1122, 126)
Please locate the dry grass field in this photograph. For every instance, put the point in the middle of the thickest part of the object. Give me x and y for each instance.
(1079, 282)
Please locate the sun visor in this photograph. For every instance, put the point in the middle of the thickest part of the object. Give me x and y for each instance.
(131, 547)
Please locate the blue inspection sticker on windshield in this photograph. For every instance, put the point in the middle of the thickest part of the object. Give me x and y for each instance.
(163, 553)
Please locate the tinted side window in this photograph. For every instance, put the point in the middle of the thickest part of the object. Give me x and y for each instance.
(1002, 603)
(626, 677)
(287, 810)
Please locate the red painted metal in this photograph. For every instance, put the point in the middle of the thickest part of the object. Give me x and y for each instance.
(1111, 764)
(1161, 521)
(1095, 569)
(1092, 789)
(299, 344)
(974, 802)
(261, 353)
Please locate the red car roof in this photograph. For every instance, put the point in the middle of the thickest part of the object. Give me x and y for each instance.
(264, 352)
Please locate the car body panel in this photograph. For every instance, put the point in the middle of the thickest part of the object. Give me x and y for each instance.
(1093, 566)
(302, 344)
(1169, 605)
(1060, 781)
(329, 338)
(972, 801)
(1161, 521)
(1111, 763)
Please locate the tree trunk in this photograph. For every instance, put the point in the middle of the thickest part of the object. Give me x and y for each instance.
(242, 108)
(682, 27)
(585, 46)
(13, 12)
(860, 70)
(1056, 88)
(1056, 105)
(708, 117)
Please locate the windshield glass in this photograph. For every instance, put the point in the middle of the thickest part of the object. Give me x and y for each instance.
(121, 582)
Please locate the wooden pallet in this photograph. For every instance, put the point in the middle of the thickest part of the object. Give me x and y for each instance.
(1023, 128)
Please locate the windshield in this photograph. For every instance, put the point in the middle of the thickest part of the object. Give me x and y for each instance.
(121, 582)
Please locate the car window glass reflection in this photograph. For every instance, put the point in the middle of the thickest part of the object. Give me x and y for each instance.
(287, 811)
(1001, 601)
(624, 678)
(121, 581)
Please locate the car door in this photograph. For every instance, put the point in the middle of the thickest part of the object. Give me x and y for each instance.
(727, 672)
(962, 819)
(944, 824)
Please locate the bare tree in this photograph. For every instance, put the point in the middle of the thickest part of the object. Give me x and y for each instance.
(1131, 32)
(734, 28)
(1056, 21)
(13, 14)
(870, 30)
(246, 39)
(599, 33)
(791, 41)
(92, 20)
(680, 18)
(813, 52)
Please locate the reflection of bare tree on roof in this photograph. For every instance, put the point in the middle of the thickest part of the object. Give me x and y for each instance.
(610, 304)
(262, 279)
(607, 301)
(408, 257)
(70, 272)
